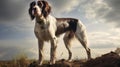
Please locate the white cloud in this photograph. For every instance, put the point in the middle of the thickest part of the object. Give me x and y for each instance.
(11, 48)
(63, 6)
(106, 11)
(96, 9)
(104, 39)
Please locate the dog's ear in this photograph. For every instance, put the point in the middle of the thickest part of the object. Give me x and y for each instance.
(46, 9)
(30, 10)
(30, 13)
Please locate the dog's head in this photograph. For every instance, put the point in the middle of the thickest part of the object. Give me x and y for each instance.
(39, 8)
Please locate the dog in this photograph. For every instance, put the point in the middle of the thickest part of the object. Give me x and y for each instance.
(49, 28)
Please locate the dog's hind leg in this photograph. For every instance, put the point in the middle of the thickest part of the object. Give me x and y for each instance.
(82, 37)
(83, 40)
(67, 40)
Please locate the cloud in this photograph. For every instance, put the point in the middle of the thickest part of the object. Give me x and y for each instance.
(16, 31)
(15, 22)
(63, 6)
(8, 52)
(106, 11)
(12, 9)
(9, 49)
(104, 39)
(114, 15)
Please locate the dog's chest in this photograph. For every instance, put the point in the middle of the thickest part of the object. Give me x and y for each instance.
(41, 33)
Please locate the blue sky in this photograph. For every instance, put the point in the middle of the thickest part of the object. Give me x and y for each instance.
(101, 18)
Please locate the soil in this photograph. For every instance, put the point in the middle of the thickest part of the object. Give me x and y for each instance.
(111, 59)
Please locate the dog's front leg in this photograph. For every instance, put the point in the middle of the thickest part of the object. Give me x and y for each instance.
(53, 50)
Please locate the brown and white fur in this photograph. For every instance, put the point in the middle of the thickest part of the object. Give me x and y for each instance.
(48, 28)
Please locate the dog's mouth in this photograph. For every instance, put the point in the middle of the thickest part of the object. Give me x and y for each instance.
(35, 13)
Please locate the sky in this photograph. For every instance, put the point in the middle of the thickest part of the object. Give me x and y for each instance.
(101, 18)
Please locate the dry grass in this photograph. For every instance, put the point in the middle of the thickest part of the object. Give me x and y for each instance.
(19, 61)
(23, 61)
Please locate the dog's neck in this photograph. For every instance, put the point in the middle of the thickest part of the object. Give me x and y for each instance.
(39, 18)
(42, 21)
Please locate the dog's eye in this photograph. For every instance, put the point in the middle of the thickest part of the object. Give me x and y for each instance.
(39, 4)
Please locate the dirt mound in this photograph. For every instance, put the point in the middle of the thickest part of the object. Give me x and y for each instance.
(111, 59)
(60, 63)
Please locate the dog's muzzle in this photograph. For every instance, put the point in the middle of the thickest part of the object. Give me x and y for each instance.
(36, 11)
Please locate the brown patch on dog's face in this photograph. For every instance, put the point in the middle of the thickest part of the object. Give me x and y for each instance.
(40, 4)
(46, 8)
